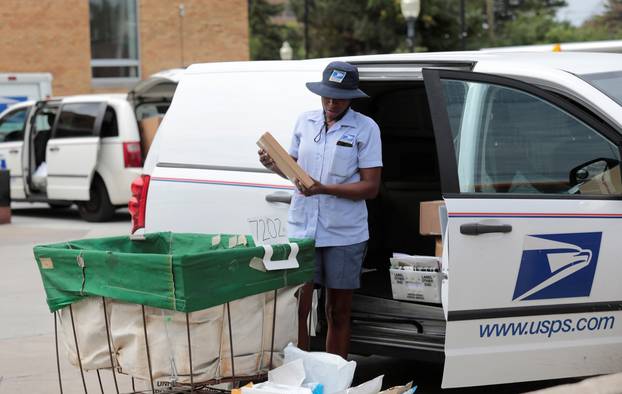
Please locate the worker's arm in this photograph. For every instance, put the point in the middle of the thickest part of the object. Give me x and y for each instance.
(267, 162)
(365, 189)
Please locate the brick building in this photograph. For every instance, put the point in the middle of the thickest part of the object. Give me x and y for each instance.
(108, 45)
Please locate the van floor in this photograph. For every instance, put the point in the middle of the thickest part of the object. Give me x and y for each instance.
(410, 175)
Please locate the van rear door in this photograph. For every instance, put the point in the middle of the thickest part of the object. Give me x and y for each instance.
(533, 192)
(208, 177)
(72, 150)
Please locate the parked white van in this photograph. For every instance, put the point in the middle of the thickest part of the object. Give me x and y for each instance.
(524, 148)
(81, 149)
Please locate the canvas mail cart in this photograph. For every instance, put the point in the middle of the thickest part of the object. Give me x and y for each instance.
(174, 312)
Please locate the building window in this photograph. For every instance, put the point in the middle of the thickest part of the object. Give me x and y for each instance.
(114, 42)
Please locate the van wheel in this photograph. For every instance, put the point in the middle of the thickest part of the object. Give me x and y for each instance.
(98, 208)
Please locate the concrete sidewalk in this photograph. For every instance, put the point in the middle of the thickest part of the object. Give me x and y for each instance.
(27, 351)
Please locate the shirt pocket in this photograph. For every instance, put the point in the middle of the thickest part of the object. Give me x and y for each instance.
(296, 213)
(343, 160)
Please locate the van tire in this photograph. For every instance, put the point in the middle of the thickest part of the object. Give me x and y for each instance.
(98, 208)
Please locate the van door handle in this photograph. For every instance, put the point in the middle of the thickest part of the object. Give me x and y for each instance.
(54, 149)
(279, 197)
(478, 228)
(14, 151)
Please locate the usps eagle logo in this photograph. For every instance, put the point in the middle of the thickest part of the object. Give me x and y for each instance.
(557, 266)
(337, 76)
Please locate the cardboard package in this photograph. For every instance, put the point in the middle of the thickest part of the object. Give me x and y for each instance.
(283, 160)
(148, 128)
(432, 214)
(438, 247)
(429, 218)
(416, 278)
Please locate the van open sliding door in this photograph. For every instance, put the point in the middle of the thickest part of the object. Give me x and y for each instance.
(532, 187)
(72, 150)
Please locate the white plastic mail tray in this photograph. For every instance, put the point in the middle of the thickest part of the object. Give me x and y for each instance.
(416, 278)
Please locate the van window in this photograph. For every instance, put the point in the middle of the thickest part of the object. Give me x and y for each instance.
(77, 120)
(12, 125)
(510, 141)
(609, 83)
(110, 127)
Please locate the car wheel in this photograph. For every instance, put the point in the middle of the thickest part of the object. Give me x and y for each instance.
(98, 208)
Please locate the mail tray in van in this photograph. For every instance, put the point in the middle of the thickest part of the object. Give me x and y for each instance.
(175, 271)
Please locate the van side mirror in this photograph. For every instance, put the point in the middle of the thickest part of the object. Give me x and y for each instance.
(586, 171)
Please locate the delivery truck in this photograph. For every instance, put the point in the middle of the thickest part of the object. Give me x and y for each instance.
(525, 151)
(17, 87)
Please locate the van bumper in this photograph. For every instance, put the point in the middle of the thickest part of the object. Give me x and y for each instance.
(119, 186)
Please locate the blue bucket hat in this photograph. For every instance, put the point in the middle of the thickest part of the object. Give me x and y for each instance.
(340, 80)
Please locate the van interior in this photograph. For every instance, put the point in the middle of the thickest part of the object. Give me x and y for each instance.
(41, 131)
(410, 175)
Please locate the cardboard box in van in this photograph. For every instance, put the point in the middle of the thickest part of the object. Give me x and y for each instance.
(148, 128)
(429, 217)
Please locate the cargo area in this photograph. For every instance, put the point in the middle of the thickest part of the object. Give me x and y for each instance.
(410, 175)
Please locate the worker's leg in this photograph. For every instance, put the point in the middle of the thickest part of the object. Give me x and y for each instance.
(338, 309)
(305, 298)
(342, 274)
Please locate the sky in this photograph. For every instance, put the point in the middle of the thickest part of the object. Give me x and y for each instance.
(578, 11)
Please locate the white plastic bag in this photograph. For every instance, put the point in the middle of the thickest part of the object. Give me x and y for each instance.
(40, 176)
(332, 371)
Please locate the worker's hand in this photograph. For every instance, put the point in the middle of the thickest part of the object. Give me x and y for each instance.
(316, 188)
(267, 161)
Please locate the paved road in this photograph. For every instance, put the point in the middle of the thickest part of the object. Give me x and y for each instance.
(27, 355)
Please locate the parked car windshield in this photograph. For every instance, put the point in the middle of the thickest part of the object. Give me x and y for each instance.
(609, 83)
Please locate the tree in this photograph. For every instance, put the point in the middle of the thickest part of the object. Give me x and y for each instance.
(356, 27)
(607, 25)
(266, 38)
(351, 27)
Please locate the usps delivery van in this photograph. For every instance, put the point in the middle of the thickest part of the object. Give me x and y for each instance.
(525, 150)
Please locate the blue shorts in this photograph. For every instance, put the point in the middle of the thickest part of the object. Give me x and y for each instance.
(339, 267)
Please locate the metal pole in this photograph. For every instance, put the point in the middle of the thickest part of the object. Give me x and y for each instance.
(114, 376)
(274, 329)
(190, 354)
(231, 345)
(60, 381)
(410, 33)
(306, 17)
(147, 347)
(462, 26)
(99, 378)
(75, 338)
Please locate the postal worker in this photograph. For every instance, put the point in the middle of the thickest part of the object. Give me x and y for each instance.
(341, 150)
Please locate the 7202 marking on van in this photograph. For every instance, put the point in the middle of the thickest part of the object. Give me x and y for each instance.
(223, 183)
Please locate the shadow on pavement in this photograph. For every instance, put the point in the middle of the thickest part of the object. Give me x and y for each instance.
(428, 377)
(70, 213)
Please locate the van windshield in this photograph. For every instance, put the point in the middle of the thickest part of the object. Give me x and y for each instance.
(609, 83)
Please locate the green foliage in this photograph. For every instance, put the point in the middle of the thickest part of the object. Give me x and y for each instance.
(351, 27)
(265, 37)
(354, 27)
